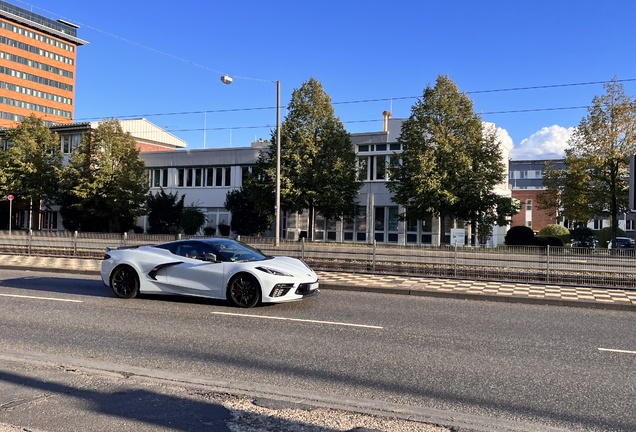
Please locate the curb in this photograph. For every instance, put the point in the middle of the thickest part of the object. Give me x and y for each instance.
(294, 397)
(402, 291)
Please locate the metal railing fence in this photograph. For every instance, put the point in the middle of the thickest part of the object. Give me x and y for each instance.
(554, 265)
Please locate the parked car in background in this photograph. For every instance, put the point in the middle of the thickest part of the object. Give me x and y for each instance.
(622, 243)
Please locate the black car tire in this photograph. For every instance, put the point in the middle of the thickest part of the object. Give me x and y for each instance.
(244, 291)
(125, 282)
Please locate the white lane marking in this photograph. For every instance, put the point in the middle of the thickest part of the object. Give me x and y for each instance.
(617, 350)
(41, 298)
(296, 319)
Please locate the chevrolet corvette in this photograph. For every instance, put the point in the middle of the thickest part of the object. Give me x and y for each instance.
(213, 268)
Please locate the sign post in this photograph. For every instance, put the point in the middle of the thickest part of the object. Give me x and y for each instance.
(10, 197)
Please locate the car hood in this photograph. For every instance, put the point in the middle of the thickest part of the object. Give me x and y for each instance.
(286, 264)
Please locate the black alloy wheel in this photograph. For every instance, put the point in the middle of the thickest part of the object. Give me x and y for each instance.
(244, 291)
(125, 282)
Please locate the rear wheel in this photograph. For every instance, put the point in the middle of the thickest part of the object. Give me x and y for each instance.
(125, 282)
(244, 291)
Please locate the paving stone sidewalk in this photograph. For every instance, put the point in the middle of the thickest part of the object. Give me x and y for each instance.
(514, 292)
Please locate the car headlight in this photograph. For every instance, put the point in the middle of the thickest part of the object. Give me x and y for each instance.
(274, 271)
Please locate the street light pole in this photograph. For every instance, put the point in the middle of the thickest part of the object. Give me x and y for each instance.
(226, 79)
(277, 215)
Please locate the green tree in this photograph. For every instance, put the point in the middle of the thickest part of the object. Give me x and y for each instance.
(451, 162)
(318, 161)
(192, 219)
(568, 190)
(108, 177)
(165, 211)
(31, 167)
(597, 162)
(247, 218)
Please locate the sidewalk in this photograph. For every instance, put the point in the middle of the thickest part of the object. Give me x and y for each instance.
(503, 291)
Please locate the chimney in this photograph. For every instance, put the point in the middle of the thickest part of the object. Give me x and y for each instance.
(387, 115)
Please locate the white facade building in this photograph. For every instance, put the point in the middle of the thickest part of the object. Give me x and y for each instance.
(205, 177)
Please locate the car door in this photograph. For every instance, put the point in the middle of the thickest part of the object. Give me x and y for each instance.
(196, 276)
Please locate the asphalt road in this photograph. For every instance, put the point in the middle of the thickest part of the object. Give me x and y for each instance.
(518, 362)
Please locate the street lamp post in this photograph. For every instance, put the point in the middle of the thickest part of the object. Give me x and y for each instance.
(226, 79)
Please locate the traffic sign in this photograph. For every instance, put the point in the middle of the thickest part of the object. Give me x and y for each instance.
(10, 197)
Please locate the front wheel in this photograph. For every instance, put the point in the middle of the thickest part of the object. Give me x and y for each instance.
(125, 282)
(244, 291)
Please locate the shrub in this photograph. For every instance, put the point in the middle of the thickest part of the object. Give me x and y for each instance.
(224, 230)
(555, 230)
(583, 237)
(520, 236)
(209, 231)
(549, 241)
(192, 219)
(604, 236)
(174, 230)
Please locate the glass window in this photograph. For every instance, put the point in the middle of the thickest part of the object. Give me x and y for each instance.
(395, 146)
(219, 177)
(66, 144)
(393, 218)
(427, 224)
(181, 177)
(523, 174)
(156, 181)
(188, 177)
(198, 177)
(538, 174)
(363, 167)
(511, 174)
(245, 173)
(228, 176)
(164, 182)
(529, 204)
(363, 148)
(380, 147)
(210, 177)
(411, 225)
(379, 219)
(380, 168)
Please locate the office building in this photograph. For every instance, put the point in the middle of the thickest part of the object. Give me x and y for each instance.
(37, 66)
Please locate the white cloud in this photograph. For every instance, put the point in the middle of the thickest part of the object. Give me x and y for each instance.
(547, 143)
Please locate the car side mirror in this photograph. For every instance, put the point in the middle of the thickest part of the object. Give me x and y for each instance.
(209, 258)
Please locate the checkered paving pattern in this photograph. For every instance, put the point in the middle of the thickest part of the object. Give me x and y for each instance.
(459, 288)
(462, 288)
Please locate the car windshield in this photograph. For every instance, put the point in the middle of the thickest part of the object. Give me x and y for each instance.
(230, 250)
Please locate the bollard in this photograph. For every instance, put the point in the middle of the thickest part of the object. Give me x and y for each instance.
(374, 246)
(547, 264)
(75, 243)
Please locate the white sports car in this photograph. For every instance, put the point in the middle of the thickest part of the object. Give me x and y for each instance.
(214, 268)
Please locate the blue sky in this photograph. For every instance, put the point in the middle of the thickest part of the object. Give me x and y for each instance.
(359, 50)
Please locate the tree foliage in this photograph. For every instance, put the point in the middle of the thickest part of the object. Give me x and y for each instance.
(318, 161)
(164, 212)
(451, 162)
(247, 218)
(32, 166)
(597, 162)
(107, 177)
(520, 236)
(192, 219)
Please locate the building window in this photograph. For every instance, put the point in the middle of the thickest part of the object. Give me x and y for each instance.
(598, 224)
(181, 177)
(363, 148)
(523, 174)
(363, 168)
(380, 167)
(629, 225)
(219, 177)
(529, 204)
(511, 175)
(538, 174)
(529, 224)
(361, 225)
(245, 174)
(228, 176)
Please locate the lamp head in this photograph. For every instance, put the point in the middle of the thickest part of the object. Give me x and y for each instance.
(226, 79)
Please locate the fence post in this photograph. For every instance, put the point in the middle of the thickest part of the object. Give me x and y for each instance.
(179, 236)
(455, 257)
(302, 253)
(238, 238)
(30, 240)
(75, 243)
(123, 239)
(547, 264)
(374, 245)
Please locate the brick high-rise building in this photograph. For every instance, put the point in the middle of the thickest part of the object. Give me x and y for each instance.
(37, 66)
